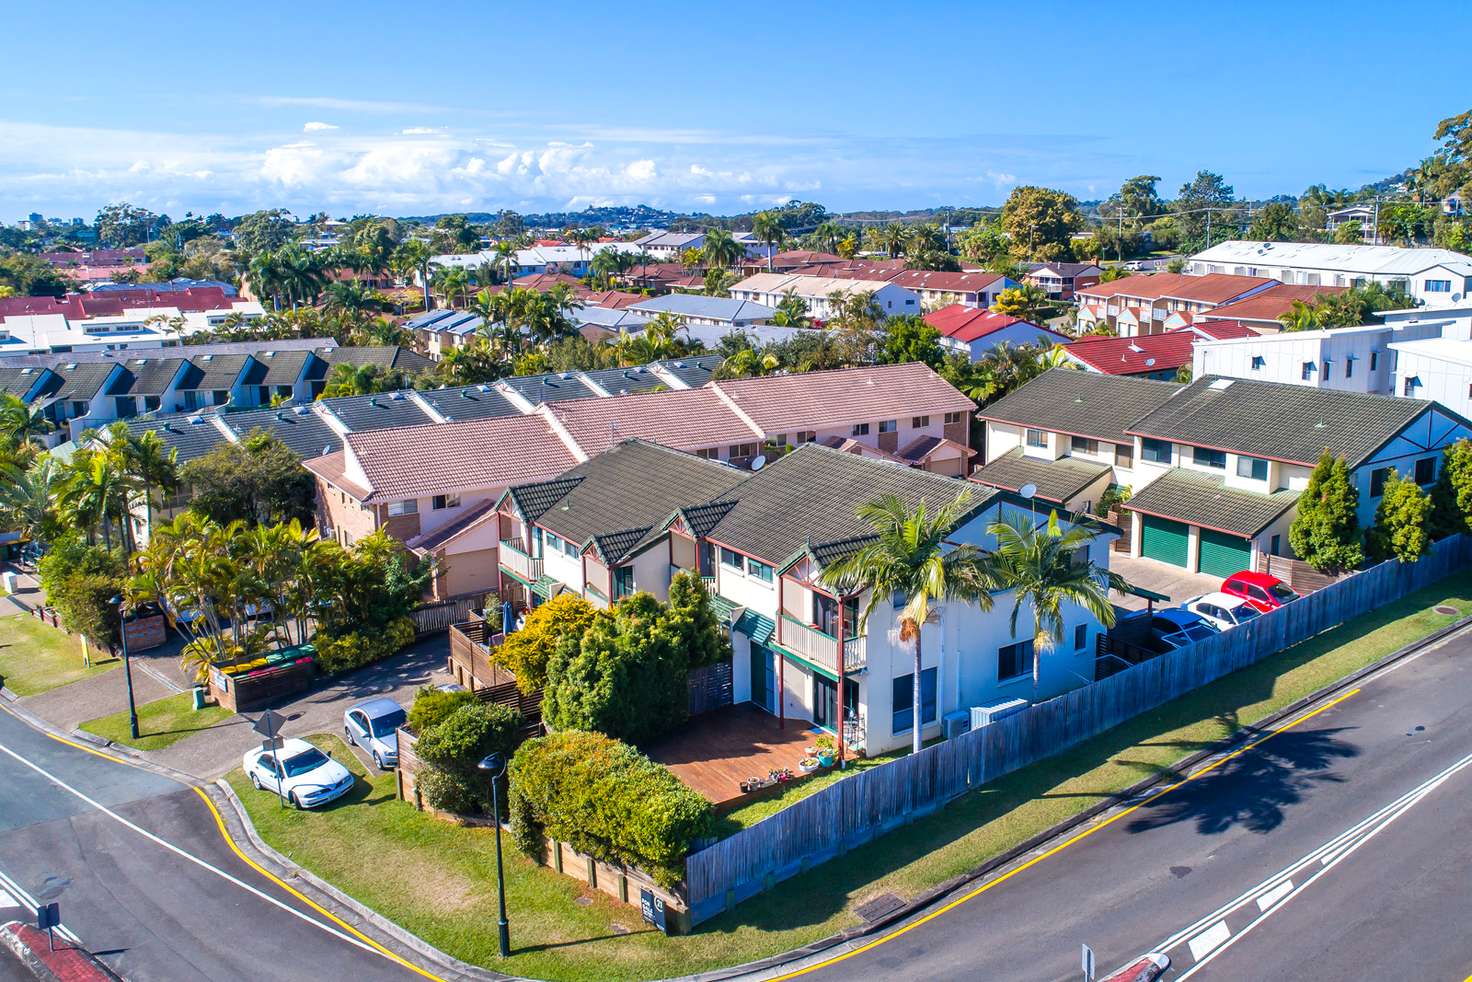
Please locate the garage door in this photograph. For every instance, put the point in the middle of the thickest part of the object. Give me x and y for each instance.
(1164, 540)
(1223, 554)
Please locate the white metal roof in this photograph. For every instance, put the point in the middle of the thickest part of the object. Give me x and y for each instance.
(1371, 259)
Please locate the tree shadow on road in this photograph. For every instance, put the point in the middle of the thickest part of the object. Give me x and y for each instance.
(1253, 789)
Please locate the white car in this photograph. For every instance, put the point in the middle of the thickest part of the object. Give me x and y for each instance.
(1222, 610)
(373, 724)
(305, 775)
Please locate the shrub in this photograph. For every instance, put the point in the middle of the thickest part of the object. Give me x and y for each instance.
(452, 747)
(450, 792)
(526, 652)
(80, 580)
(693, 620)
(1401, 524)
(1451, 497)
(605, 799)
(354, 649)
(1113, 496)
(1326, 532)
(432, 705)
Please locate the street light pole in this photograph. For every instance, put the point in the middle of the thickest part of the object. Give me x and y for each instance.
(494, 765)
(117, 601)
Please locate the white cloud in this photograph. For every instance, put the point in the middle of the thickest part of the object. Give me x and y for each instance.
(420, 131)
(317, 127)
(1001, 178)
(641, 170)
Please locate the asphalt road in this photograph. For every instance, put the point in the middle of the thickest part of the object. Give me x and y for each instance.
(1338, 848)
(145, 878)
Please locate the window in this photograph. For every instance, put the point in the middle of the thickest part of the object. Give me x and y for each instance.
(1014, 660)
(1328, 369)
(1374, 360)
(739, 450)
(1155, 451)
(150, 403)
(731, 559)
(1124, 455)
(1438, 286)
(1037, 438)
(552, 542)
(903, 703)
(1349, 367)
(860, 429)
(1308, 371)
(917, 422)
(889, 425)
(1082, 444)
(1377, 481)
(1081, 637)
(1409, 388)
(1253, 467)
(805, 436)
(1258, 363)
(409, 506)
(761, 571)
(1203, 457)
(708, 453)
(623, 582)
(1425, 470)
(954, 418)
(443, 501)
(570, 548)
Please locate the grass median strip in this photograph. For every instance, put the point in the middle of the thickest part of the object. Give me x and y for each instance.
(161, 723)
(438, 880)
(36, 657)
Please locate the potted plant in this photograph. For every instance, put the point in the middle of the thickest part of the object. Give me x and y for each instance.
(807, 765)
(827, 749)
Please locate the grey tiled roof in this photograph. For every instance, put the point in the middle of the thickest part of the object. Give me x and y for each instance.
(1086, 403)
(555, 387)
(621, 381)
(810, 498)
(189, 438)
(1203, 499)
(1055, 480)
(533, 500)
(19, 381)
(377, 412)
(284, 367)
(385, 356)
(213, 372)
(145, 376)
(1279, 420)
(469, 402)
(694, 372)
(307, 434)
(81, 381)
(700, 519)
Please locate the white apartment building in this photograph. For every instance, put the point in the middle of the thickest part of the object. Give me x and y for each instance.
(1433, 277)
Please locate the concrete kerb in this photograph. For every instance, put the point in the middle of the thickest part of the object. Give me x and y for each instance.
(138, 758)
(221, 791)
(945, 892)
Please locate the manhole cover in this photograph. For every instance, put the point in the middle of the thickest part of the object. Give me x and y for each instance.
(1444, 609)
(885, 903)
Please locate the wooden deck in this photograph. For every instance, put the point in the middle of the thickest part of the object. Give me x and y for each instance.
(716, 751)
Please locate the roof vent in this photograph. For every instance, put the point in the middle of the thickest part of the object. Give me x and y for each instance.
(1136, 348)
(397, 397)
(206, 357)
(1319, 425)
(302, 410)
(70, 365)
(196, 420)
(482, 388)
(1222, 384)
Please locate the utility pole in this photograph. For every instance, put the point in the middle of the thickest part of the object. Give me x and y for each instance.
(1208, 228)
(1375, 232)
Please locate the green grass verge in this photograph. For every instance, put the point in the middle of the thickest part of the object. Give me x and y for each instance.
(438, 880)
(161, 723)
(35, 657)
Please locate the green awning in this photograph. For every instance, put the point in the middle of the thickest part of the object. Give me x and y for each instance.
(760, 629)
(543, 587)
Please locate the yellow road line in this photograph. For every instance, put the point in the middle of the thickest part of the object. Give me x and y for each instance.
(885, 939)
(225, 833)
(91, 750)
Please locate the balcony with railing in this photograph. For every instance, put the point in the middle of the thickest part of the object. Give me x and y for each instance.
(821, 648)
(514, 559)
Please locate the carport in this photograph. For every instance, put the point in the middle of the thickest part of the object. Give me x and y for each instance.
(1194, 521)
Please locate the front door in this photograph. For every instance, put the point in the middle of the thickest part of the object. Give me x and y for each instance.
(825, 701)
(763, 677)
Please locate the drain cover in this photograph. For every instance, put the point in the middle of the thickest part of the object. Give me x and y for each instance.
(885, 903)
(1444, 609)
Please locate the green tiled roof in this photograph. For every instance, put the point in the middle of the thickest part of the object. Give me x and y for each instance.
(1202, 499)
(1056, 480)
(760, 629)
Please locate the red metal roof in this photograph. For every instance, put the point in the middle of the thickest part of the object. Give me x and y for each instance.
(1152, 352)
(80, 306)
(967, 324)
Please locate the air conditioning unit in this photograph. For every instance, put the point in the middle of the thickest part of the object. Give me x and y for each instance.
(987, 715)
(956, 723)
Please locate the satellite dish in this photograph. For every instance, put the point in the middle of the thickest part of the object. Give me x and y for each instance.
(1149, 362)
(758, 462)
(1027, 491)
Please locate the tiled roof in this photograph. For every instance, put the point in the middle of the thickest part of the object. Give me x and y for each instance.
(419, 461)
(1214, 288)
(1082, 403)
(213, 372)
(967, 324)
(306, 433)
(1279, 420)
(533, 500)
(932, 279)
(626, 381)
(145, 376)
(469, 402)
(285, 367)
(1269, 305)
(695, 371)
(811, 496)
(439, 536)
(555, 387)
(81, 380)
(382, 411)
(685, 419)
(1055, 480)
(918, 450)
(1151, 353)
(19, 381)
(189, 436)
(816, 400)
(333, 469)
(700, 519)
(385, 356)
(1205, 500)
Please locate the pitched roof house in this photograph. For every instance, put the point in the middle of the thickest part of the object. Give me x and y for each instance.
(975, 331)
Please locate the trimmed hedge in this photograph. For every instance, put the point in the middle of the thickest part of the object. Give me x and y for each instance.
(345, 652)
(432, 705)
(452, 747)
(607, 800)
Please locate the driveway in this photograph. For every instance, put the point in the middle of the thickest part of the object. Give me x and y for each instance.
(1159, 577)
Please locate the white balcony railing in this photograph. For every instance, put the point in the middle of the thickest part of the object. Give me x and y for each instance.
(515, 559)
(821, 648)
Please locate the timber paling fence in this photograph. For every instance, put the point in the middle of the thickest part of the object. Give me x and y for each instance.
(869, 804)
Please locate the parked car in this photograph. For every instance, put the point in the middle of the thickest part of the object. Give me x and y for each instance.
(1259, 589)
(1174, 628)
(304, 774)
(373, 724)
(1222, 610)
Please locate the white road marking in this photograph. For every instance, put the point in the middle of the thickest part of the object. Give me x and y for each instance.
(1203, 943)
(187, 855)
(6, 900)
(17, 893)
(1274, 895)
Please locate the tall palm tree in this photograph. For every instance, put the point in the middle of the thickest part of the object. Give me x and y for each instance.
(767, 227)
(263, 274)
(352, 300)
(21, 423)
(908, 562)
(792, 310)
(1048, 567)
(151, 466)
(506, 260)
(894, 237)
(829, 234)
(721, 248)
(452, 282)
(413, 257)
(302, 275)
(27, 497)
(93, 493)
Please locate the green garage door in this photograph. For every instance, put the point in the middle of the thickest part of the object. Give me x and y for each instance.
(1164, 540)
(1223, 554)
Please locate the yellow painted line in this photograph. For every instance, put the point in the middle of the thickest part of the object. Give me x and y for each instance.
(1064, 845)
(91, 750)
(225, 833)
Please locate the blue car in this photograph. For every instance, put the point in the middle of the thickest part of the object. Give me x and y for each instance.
(1174, 628)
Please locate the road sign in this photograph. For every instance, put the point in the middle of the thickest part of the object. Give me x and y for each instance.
(269, 746)
(48, 916)
(268, 724)
(1087, 961)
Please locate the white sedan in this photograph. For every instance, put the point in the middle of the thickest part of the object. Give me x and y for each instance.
(1222, 610)
(305, 775)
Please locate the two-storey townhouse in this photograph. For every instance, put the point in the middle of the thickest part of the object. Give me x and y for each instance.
(1433, 277)
(1157, 356)
(74, 397)
(976, 331)
(726, 314)
(1355, 359)
(825, 295)
(1155, 303)
(1263, 311)
(1060, 281)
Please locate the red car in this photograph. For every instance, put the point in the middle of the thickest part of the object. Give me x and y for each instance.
(1259, 589)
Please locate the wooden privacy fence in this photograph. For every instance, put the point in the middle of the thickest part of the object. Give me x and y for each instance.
(874, 801)
(439, 616)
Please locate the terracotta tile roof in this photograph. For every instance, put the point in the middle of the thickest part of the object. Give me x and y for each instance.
(1215, 288)
(541, 282)
(433, 539)
(967, 324)
(610, 299)
(922, 448)
(332, 468)
(1269, 305)
(931, 279)
(1143, 355)
(418, 461)
(684, 419)
(816, 400)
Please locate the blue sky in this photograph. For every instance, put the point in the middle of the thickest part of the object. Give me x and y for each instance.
(452, 106)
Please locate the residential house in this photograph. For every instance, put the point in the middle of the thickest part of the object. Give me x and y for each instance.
(1262, 311)
(1353, 359)
(975, 331)
(792, 261)
(1361, 215)
(1435, 368)
(1157, 356)
(438, 331)
(1434, 277)
(724, 313)
(1060, 281)
(670, 246)
(1155, 303)
(824, 295)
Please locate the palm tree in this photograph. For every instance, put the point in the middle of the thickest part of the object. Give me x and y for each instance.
(151, 465)
(27, 496)
(451, 281)
(893, 236)
(658, 340)
(413, 257)
(792, 311)
(352, 300)
(909, 563)
(506, 260)
(580, 237)
(21, 423)
(717, 279)
(1300, 317)
(1048, 567)
(767, 227)
(829, 234)
(263, 274)
(354, 380)
(93, 493)
(301, 275)
(721, 249)
(1027, 302)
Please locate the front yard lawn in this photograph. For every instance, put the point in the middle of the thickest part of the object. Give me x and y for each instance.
(161, 723)
(438, 880)
(35, 657)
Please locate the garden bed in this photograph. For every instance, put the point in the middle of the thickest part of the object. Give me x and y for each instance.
(251, 685)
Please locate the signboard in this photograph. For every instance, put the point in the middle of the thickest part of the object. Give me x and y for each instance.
(652, 907)
(48, 917)
(1087, 962)
(268, 724)
(219, 680)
